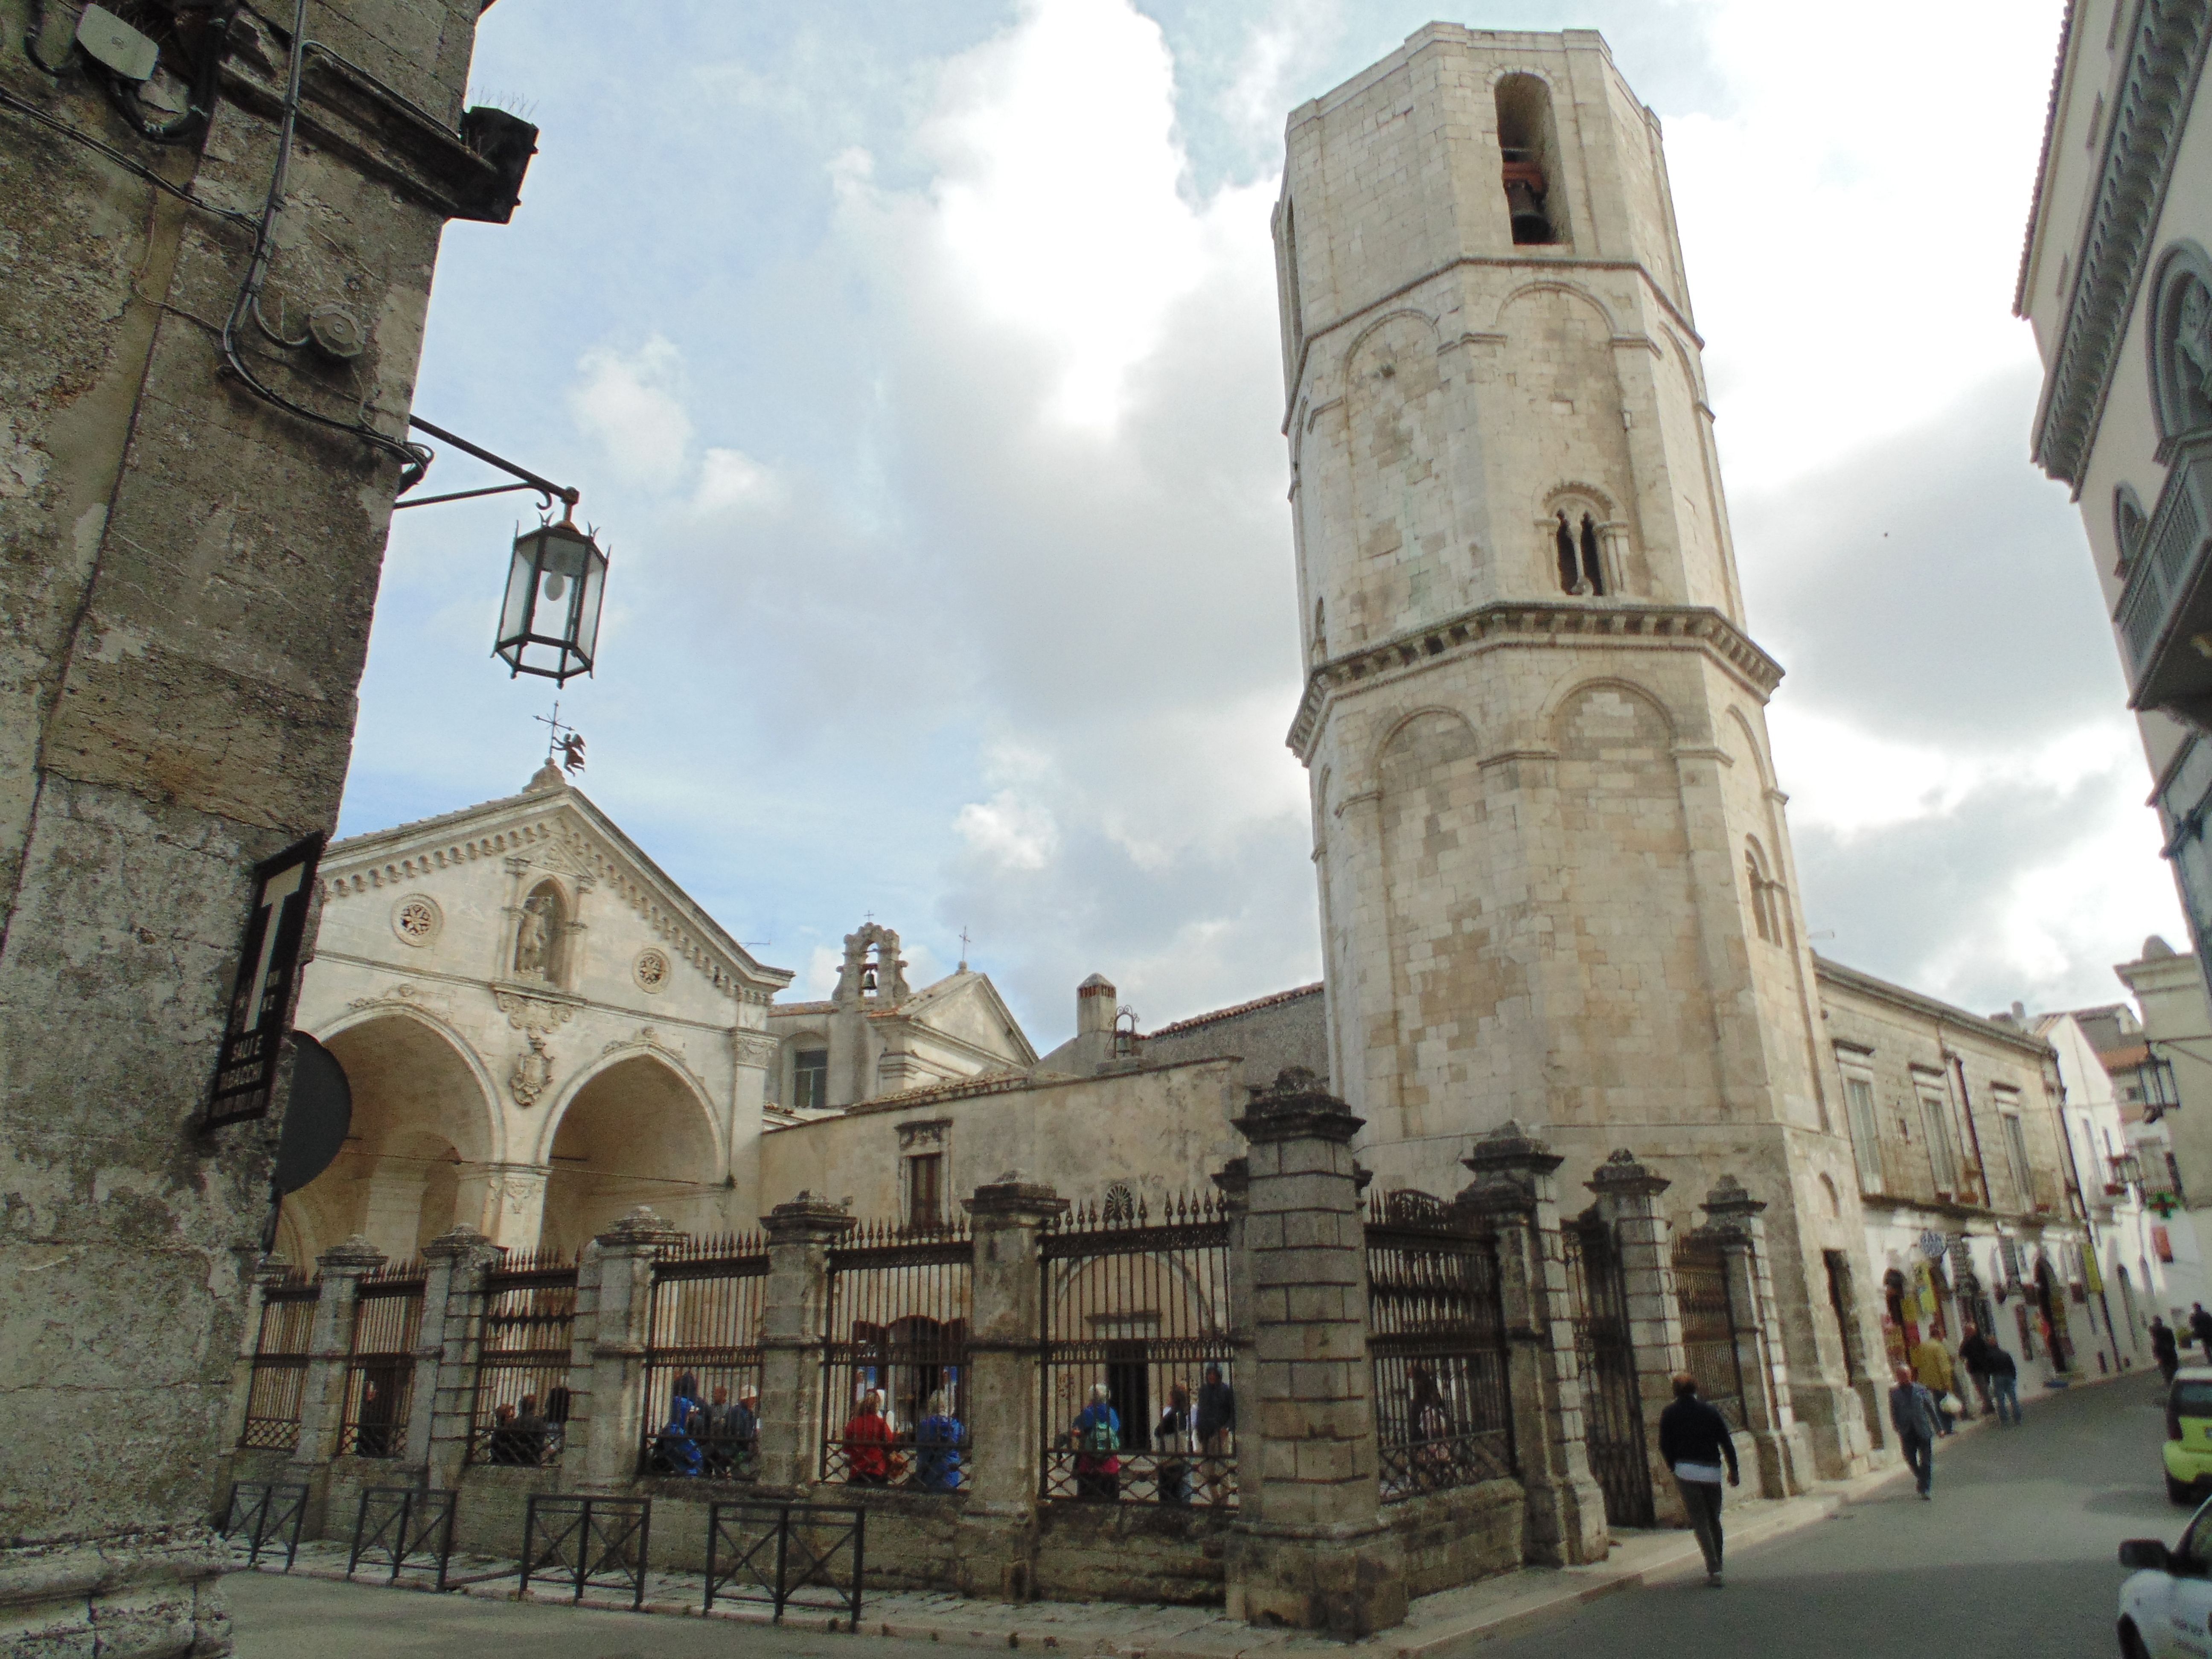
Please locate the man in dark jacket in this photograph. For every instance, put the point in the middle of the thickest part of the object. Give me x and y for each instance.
(2004, 1386)
(1694, 1439)
(2163, 1348)
(2200, 1323)
(1216, 1422)
(1912, 1414)
(1974, 1355)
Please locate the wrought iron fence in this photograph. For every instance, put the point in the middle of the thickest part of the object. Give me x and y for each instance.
(895, 1358)
(1709, 1325)
(387, 1321)
(406, 1528)
(1435, 1334)
(521, 1418)
(1605, 1355)
(785, 1555)
(279, 1382)
(586, 1543)
(265, 1513)
(1138, 1306)
(703, 1359)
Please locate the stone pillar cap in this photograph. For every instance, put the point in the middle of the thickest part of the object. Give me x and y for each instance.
(1728, 1198)
(1295, 1106)
(1011, 1195)
(458, 1240)
(1234, 1179)
(1510, 1149)
(641, 1226)
(355, 1253)
(807, 1218)
(1622, 1174)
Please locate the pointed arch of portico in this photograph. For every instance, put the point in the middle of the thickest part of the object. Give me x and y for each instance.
(635, 1128)
(485, 1127)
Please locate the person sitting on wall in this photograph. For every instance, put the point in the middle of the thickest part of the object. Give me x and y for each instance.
(715, 1436)
(1174, 1437)
(741, 1434)
(867, 1444)
(528, 1433)
(674, 1449)
(1097, 1432)
(937, 1448)
(1217, 1421)
(500, 1447)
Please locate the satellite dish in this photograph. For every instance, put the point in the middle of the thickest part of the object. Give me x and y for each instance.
(316, 1117)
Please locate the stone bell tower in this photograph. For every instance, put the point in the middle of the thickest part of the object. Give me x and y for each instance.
(1556, 883)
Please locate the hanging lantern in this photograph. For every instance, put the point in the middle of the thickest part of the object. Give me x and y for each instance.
(550, 624)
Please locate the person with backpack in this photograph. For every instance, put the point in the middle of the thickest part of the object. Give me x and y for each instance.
(1097, 1432)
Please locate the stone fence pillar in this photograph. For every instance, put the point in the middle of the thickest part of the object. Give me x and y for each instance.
(1785, 1446)
(1515, 1192)
(1628, 1198)
(1311, 1548)
(609, 1455)
(453, 1331)
(995, 1551)
(799, 1237)
(322, 1396)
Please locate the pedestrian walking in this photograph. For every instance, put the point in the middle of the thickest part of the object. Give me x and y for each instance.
(1931, 1364)
(2163, 1348)
(1694, 1440)
(2200, 1324)
(1974, 1355)
(2004, 1387)
(1912, 1413)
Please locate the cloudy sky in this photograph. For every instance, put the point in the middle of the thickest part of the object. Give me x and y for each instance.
(919, 363)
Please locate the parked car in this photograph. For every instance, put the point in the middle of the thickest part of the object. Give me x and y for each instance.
(2188, 1433)
(2165, 1604)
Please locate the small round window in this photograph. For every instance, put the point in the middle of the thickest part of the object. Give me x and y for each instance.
(651, 971)
(418, 920)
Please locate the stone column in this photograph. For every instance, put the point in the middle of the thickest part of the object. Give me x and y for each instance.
(508, 1200)
(322, 1396)
(1784, 1444)
(609, 1462)
(1628, 1198)
(1515, 1192)
(995, 1547)
(800, 1235)
(453, 1329)
(584, 1425)
(1311, 1548)
(266, 1271)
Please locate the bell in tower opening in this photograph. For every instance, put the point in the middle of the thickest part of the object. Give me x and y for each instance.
(1526, 143)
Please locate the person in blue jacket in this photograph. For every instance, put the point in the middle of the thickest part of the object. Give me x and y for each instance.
(937, 1448)
(1097, 1432)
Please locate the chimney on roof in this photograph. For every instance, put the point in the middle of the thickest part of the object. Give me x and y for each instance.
(1095, 1006)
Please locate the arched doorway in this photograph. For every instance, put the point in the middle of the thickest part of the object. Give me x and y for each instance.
(637, 1133)
(419, 1114)
(2051, 1302)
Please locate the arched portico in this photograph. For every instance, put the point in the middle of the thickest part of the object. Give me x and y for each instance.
(637, 1131)
(424, 1129)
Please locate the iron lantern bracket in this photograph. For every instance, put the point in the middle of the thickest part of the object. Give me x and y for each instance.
(548, 491)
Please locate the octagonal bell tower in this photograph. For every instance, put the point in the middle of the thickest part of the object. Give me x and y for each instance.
(1556, 882)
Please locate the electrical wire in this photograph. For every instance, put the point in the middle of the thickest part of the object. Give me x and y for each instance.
(129, 164)
(414, 458)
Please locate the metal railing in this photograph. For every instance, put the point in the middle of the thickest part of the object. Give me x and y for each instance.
(1139, 1305)
(278, 1385)
(1436, 1326)
(1709, 1325)
(387, 1324)
(702, 1359)
(895, 1358)
(520, 1417)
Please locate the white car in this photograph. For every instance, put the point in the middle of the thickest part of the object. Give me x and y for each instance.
(2165, 1606)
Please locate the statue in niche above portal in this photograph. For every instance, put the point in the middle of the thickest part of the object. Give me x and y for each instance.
(533, 938)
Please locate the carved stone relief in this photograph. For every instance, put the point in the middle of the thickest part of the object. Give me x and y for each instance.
(529, 1013)
(532, 1073)
(921, 1137)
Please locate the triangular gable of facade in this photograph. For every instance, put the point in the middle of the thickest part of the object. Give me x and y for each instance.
(558, 825)
(936, 1006)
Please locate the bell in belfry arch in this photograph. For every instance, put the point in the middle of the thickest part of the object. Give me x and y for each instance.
(868, 979)
(1525, 207)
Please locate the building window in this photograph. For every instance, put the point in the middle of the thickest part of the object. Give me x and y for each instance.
(1766, 893)
(2015, 1146)
(809, 1079)
(2129, 523)
(925, 1190)
(2180, 337)
(1581, 571)
(1866, 1142)
(1935, 1123)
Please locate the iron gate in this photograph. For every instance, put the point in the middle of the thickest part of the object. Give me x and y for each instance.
(702, 1359)
(521, 1411)
(895, 1358)
(279, 1363)
(1709, 1325)
(1612, 1409)
(387, 1322)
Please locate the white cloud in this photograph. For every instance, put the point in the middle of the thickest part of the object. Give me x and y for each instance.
(632, 403)
(731, 480)
(1010, 831)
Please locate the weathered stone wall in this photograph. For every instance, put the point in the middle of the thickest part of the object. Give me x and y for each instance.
(1287, 1028)
(1132, 1553)
(1455, 1538)
(187, 585)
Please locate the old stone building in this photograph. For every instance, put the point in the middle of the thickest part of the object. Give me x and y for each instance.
(217, 240)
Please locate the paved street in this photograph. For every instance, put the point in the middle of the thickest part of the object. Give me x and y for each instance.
(2014, 1556)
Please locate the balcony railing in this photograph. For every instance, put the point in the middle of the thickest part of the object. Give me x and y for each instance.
(2167, 608)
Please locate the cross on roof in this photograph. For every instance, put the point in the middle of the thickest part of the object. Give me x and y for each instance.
(568, 747)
